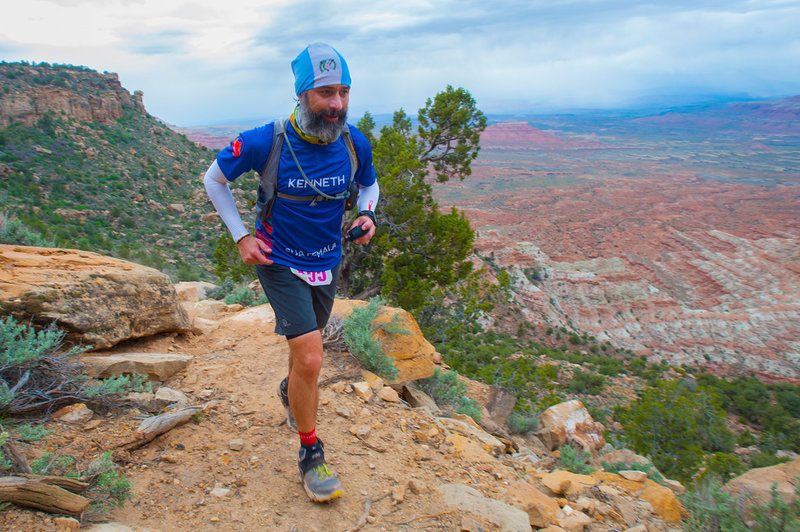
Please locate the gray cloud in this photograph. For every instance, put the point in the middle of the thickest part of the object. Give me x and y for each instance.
(510, 54)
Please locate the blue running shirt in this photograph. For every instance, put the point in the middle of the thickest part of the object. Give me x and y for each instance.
(301, 236)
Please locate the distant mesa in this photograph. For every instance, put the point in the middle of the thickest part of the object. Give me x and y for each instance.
(521, 135)
(203, 138)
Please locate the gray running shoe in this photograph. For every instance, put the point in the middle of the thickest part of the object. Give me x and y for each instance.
(320, 484)
(283, 392)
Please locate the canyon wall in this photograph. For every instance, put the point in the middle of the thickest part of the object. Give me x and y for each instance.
(640, 248)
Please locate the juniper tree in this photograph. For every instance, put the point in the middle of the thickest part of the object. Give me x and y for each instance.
(419, 253)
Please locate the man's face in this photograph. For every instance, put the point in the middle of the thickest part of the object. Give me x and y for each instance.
(331, 100)
(323, 111)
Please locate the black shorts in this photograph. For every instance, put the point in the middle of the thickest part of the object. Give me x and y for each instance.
(299, 307)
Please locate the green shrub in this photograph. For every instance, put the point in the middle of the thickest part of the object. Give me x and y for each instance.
(710, 509)
(13, 231)
(519, 423)
(242, 295)
(450, 394)
(586, 382)
(574, 460)
(109, 488)
(31, 433)
(675, 426)
(358, 329)
(37, 375)
(766, 459)
(724, 466)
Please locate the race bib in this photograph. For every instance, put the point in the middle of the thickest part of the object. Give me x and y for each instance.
(314, 278)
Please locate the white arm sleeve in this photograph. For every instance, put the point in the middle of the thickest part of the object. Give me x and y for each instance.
(368, 197)
(220, 194)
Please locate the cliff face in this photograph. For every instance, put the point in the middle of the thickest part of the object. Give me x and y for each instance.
(87, 96)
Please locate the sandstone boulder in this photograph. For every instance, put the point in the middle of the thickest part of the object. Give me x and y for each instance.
(758, 482)
(570, 422)
(192, 291)
(497, 401)
(411, 353)
(566, 483)
(97, 300)
(419, 399)
(542, 510)
(467, 427)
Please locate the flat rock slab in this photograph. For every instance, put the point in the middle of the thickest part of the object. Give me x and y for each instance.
(97, 300)
(471, 500)
(157, 366)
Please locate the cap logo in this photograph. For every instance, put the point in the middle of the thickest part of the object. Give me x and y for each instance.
(326, 65)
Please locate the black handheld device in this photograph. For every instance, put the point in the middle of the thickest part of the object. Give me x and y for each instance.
(355, 232)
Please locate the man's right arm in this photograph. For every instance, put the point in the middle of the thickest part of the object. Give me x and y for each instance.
(252, 250)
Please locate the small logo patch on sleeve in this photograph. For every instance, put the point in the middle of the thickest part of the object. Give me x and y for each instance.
(236, 147)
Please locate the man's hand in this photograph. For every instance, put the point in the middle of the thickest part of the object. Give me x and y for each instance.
(254, 251)
(367, 225)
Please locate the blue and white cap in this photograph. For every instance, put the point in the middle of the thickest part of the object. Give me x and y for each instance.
(318, 65)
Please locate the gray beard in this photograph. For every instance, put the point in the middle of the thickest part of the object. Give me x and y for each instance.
(313, 124)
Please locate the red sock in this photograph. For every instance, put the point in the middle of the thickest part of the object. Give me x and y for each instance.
(308, 438)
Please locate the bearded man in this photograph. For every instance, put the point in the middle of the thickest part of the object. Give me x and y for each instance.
(297, 246)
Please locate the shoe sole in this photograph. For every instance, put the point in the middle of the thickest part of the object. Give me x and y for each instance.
(315, 498)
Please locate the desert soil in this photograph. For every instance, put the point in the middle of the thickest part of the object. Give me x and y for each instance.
(235, 373)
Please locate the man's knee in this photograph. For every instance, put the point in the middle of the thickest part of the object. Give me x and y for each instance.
(308, 363)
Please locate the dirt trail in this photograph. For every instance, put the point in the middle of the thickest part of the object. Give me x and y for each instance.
(238, 369)
(191, 478)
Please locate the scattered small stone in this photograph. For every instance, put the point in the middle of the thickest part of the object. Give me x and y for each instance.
(344, 411)
(635, 476)
(236, 444)
(375, 382)
(421, 455)
(338, 387)
(220, 493)
(363, 391)
(398, 494)
(73, 414)
(360, 431)
(388, 394)
(417, 486)
(93, 424)
(171, 396)
(64, 524)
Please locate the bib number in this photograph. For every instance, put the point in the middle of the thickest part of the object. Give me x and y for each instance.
(314, 278)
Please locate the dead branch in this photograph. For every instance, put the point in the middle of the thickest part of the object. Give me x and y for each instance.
(353, 375)
(152, 427)
(35, 493)
(431, 516)
(367, 505)
(75, 485)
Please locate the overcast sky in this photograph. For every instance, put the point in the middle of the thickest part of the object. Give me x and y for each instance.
(203, 62)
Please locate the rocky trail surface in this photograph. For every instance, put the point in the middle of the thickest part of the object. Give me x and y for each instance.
(233, 467)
